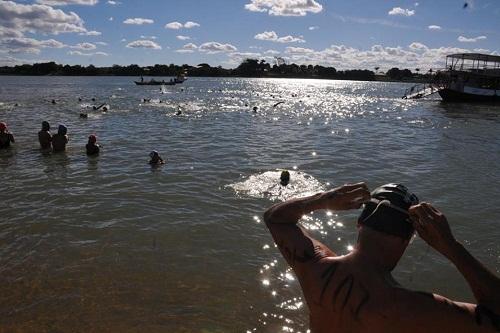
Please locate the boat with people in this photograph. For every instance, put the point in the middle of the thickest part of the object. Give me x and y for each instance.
(467, 77)
(180, 78)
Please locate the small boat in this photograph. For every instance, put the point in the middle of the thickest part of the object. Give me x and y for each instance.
(467, 77)
(153, 82)
(180, 78)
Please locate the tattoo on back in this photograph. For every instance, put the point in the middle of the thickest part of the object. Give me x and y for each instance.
(293, 256)
(347, 285)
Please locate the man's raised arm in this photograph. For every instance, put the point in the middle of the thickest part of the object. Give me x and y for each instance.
(433, 227)
(295, 244)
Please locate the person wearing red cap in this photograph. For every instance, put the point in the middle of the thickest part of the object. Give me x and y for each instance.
(92, 146)
(6, 138)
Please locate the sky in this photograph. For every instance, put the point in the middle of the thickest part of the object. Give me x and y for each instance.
(347, 34)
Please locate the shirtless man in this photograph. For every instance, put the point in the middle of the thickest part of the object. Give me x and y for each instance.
(60, 139)
(356, 292)
(44, 136)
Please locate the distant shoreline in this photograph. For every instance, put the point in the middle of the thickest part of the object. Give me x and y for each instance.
(249, 68)
(378, 78)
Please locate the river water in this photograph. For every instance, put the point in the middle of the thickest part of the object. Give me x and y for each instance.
(109, 244)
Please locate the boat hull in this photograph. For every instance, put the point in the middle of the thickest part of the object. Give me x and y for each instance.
(449, 95)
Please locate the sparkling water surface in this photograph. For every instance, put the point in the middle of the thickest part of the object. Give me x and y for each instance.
(109, 244)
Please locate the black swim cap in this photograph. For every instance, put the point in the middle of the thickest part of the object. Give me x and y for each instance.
(387, 211)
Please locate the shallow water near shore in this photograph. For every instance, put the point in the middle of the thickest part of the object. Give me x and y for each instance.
(110, 244)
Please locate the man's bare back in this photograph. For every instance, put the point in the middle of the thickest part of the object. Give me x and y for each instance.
(356, 292)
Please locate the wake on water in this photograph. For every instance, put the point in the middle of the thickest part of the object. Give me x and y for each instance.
(267, 185)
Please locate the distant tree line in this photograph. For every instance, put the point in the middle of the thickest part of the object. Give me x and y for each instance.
(247, 68)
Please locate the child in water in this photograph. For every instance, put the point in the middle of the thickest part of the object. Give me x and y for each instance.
(155, 158)
(6, 138)
(92, 146)
(60, 139)
(44, 136)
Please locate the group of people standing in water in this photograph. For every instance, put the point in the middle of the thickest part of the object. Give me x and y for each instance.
(57, 142)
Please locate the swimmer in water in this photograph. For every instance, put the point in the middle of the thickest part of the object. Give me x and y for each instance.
(285, 178)
(44, 136)
(357, 292)
(92, 146)
(155, 158)
(255, 109)
(53, 101)
(60, 139)
(6, 138)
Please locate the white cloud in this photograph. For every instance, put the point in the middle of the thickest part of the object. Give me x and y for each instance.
(28, 45)
(416, 55)
(84, 46)
(91, 33)
(272, 52)
(174, 25)
(298, 50)
(38, 19)
(285, 7)
(178, 25)
(314, 27)
(434, 27)
(401, 11)
(273, 37)
(11, 61)
(180, 37)
(138, 21)
(102, 43)
(188, 48)
(111, 18)
(148, 37)
(113, 3)
(215, 47)
(78, 53)
(470, 40)
(418, 46)
(238, 57)
(190, 24)
(67, 2)
(144, 44)
(6, 32)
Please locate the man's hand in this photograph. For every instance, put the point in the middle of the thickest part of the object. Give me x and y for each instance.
(432, 227)
(349, 196)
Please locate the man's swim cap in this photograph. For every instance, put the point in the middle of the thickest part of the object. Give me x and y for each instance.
(62, 129)
(387, 211)
(3, 126)
(92, 138)
(45, 126)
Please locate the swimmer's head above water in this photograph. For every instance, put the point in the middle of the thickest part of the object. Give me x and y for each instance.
(3, 127)
(387, 211)
(62, 130)
(92, 139)
(45, 126)
(284, 178)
